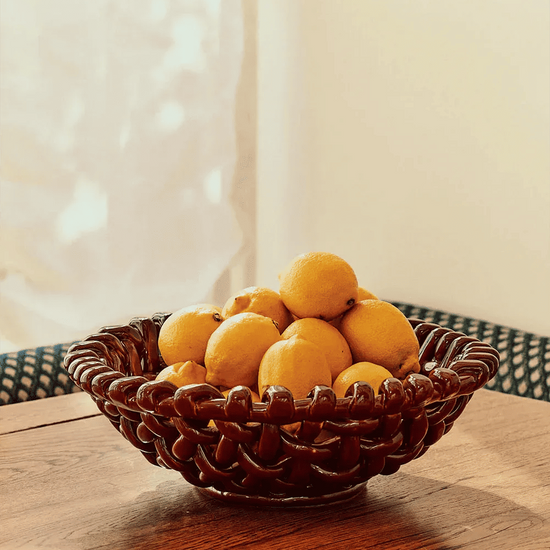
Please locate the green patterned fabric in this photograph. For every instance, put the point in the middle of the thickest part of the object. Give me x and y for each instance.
(524, 357)
(33, 374)
(525, 360)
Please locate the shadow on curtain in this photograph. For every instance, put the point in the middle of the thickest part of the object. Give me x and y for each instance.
(118, 161)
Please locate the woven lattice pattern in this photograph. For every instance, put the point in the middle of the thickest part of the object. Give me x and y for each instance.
(524, 365)
(280, 450)
(33, 374)
(524, 357)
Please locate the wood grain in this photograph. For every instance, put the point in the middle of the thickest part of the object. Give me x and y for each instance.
(79, 484)
(43, 412)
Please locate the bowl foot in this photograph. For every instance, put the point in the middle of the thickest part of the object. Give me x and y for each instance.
(287, 501)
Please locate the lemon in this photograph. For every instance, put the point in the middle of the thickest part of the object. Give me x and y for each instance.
(378, 332)
(236, 348)
(364, 294)
(183, 374)
(184, 335)
(363, 371)
(296, 364)
(318, 284)
(328, 338)
(261, 300)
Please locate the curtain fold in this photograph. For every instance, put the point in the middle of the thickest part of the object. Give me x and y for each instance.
(118, 155)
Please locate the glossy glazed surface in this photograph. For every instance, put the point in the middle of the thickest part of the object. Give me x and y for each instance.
(248, 455)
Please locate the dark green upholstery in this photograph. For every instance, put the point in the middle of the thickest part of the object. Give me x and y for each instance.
(33, 374)
(525, 360)
(524, 357)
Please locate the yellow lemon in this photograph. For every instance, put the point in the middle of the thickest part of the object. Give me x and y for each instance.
(318, 284)
(377, 332)
(362, 294)
(328, 338)
(296, 364)
(365, 294)
(363, 371)
(184, 335)
(236, 348)
(261, 300)
(183, 374)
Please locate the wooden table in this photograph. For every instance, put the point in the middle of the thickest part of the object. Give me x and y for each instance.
(69, 480)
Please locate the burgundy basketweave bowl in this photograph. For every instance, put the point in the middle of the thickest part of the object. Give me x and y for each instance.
(245, 454)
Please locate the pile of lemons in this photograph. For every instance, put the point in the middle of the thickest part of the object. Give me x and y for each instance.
(321, 328)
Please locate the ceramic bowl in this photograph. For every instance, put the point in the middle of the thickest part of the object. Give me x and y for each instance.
(280, 451)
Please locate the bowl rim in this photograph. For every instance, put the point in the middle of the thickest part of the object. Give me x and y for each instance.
(115, 366)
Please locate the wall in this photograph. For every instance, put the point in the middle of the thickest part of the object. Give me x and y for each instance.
(413, 139)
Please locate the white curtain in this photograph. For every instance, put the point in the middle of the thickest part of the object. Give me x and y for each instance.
(117, 129)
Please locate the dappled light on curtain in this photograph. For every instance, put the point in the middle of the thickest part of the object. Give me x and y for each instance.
(118, 150)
